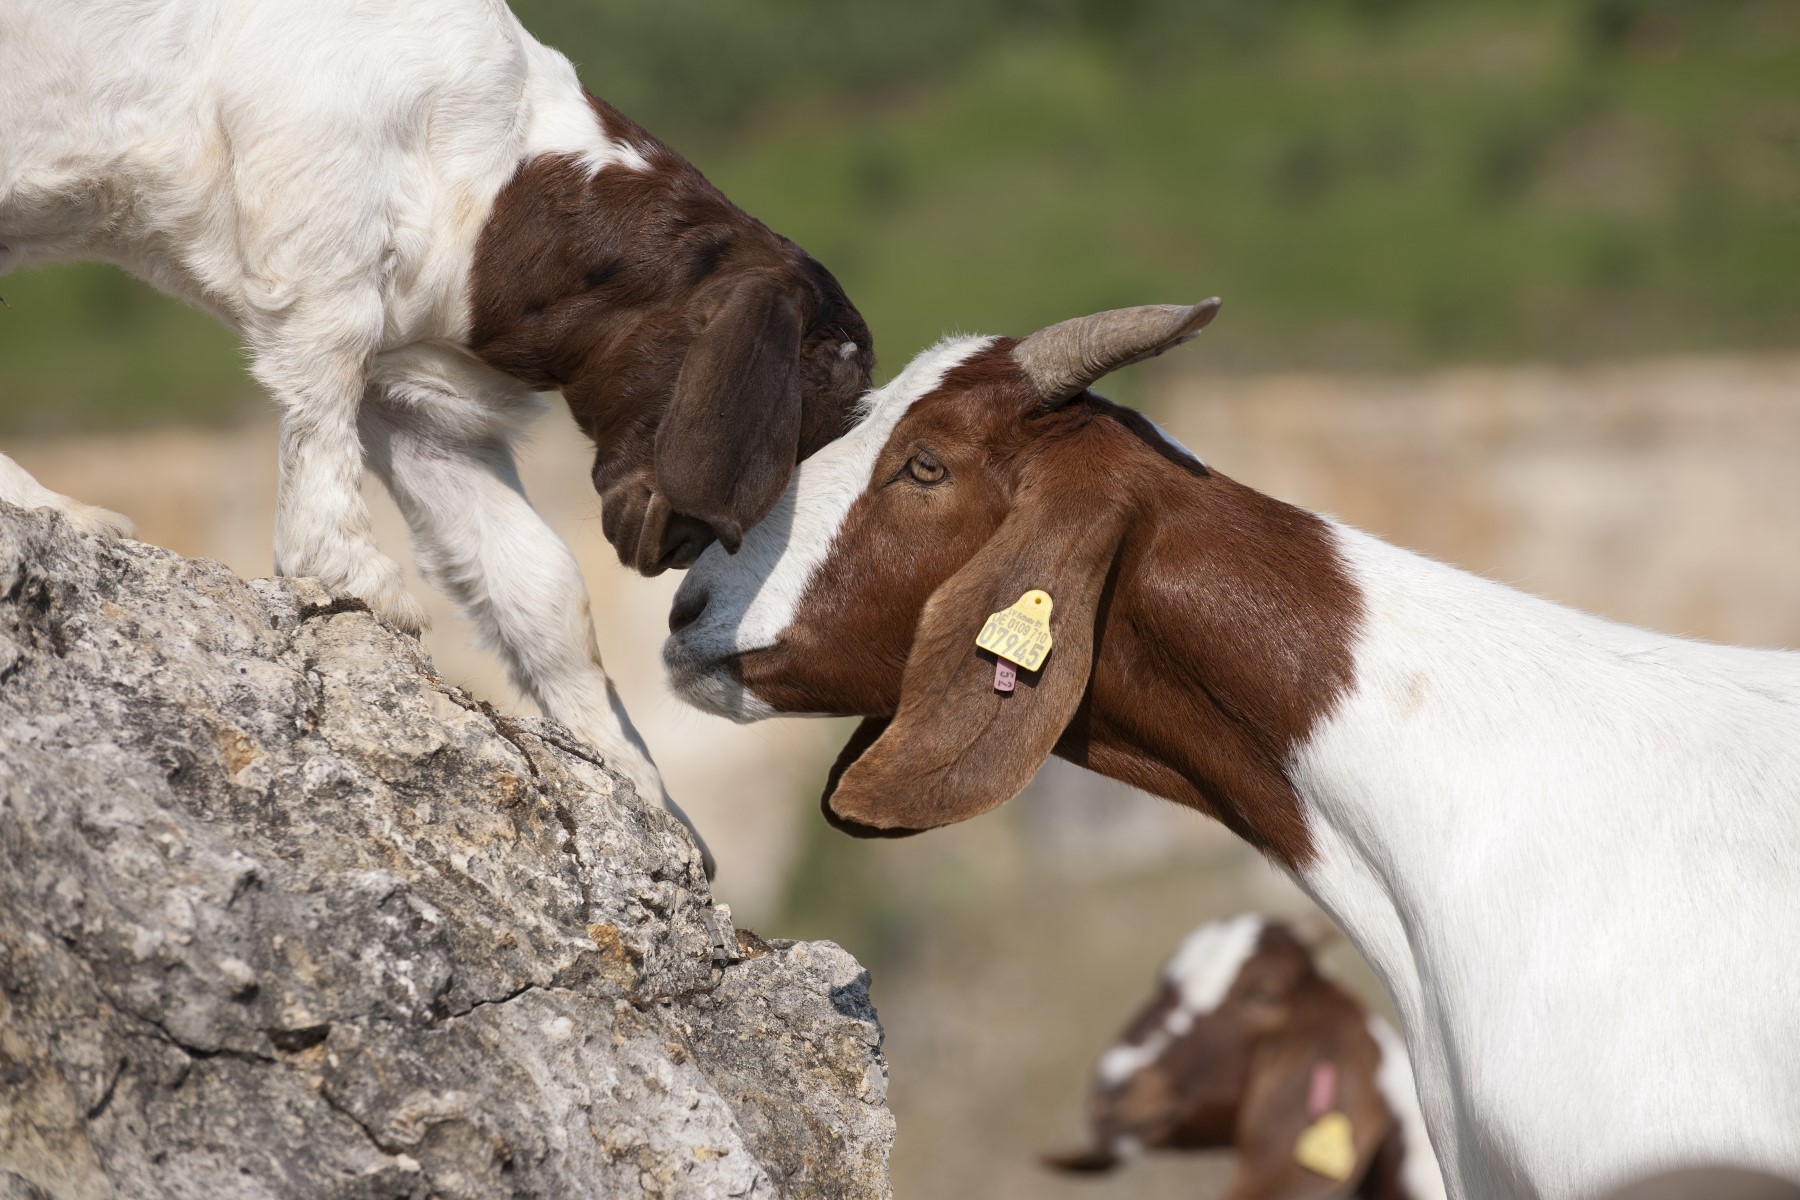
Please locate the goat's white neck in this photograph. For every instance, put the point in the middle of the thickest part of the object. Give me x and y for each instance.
(1540, 827)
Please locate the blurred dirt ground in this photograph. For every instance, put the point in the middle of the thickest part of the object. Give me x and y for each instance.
(1007, 952)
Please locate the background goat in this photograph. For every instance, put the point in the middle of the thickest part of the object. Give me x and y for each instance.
(416, 219)
(1245, 1045)
(1566, 846)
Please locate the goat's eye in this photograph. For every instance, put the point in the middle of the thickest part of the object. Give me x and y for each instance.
(925, 468)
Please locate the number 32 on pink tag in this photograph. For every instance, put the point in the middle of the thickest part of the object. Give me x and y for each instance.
(1018, 636)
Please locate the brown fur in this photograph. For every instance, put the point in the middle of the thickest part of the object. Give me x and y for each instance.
(698, 349)
(1202, 630)
(1239, 1078)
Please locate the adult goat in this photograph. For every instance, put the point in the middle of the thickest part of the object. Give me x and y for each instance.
(1568, 847)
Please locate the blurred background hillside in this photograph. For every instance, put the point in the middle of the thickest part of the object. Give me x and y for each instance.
(1370, 183)
(1512, 282)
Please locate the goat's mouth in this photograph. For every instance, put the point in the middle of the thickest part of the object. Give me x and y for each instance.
(648, 535)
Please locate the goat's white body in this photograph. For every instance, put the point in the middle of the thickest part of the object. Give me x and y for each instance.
(1571, 849)
(317, 173)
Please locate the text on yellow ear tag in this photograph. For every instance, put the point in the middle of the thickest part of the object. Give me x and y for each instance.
(1327, 1147)
(1020, 633)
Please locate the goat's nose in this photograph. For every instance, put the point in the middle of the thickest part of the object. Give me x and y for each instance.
(683, 539)
(686, 610)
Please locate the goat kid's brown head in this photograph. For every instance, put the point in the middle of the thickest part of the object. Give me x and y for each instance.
(704, 354)
(1179, 1073)
(1229, 1053)
(984, 470)
(1208, 1049)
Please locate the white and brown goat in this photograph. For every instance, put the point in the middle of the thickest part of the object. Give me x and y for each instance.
(1247, 1046)
(1567, 847)
(417, 219)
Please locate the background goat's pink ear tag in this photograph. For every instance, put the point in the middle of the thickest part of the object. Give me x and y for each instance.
(1321, 1095)
(1005, 675)
(1019, 633)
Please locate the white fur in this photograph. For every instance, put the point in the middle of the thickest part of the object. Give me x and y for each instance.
(752, 595)
(1420, 1176)
(317, 174)
(1208, 960)
(1201, 971)
(1571, 850)
(1122, 1060)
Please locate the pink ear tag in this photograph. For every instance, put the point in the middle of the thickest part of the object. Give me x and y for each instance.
(1327, 1146)
(1321, 1094)
(1017, 636)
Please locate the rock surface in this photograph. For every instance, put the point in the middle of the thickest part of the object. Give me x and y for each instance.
(284, 915)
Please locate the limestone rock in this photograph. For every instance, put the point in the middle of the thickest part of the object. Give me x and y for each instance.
(284, 915)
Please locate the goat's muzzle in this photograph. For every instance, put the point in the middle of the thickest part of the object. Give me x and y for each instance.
(651, 538)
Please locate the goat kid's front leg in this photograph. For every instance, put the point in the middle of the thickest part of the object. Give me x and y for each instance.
(321, 523)
(477, 538)
(17, 487)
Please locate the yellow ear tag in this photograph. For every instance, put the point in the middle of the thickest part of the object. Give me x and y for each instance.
(1020, 633)
(1327, 1148)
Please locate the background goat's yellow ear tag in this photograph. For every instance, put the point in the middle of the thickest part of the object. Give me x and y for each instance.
(1020, 633)
(1327, 1147)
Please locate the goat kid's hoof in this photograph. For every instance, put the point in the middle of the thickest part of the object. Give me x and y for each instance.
(98, 522)
(399, 612)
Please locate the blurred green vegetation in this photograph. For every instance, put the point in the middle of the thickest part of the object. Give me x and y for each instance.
(1369, 183)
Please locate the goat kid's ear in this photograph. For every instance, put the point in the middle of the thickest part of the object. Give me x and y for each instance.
(1273, 1112)
(729, 439)
(957, 747)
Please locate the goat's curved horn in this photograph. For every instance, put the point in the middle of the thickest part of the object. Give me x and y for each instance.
(1064, 359)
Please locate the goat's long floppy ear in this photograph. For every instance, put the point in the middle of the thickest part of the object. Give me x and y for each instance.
(728, 441)
(957, 747)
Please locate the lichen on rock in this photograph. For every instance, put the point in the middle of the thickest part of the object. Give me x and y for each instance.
(285, 915)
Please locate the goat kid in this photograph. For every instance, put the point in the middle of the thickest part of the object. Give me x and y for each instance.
(1247, 1046)
(1566, 846)
(417, 219)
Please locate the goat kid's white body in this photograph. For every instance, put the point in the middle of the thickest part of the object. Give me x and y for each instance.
(1571, 849)
(316, 174)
